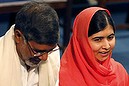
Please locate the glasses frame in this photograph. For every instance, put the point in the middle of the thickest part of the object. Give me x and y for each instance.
(35, 60)
(38, 54)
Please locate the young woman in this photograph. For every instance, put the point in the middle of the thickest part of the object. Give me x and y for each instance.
(87, 59)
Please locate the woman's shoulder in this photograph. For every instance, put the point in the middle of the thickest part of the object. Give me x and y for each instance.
(118, 67)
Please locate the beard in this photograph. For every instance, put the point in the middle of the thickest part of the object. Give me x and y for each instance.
(33, 61)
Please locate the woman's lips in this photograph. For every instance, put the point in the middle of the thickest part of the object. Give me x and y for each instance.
(104, 53)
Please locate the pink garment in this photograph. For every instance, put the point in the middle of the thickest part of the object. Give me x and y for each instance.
(78, 64)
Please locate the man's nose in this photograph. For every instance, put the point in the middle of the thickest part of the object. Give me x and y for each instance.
(44, 57)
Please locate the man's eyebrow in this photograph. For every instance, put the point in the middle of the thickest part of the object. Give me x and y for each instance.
(36, 50)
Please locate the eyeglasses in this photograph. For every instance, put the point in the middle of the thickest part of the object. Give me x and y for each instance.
(38, 54)
(34, 60)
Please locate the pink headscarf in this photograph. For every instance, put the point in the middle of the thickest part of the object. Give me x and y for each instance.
(78, 64)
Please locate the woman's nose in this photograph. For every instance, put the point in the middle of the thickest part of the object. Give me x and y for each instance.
(106, 44)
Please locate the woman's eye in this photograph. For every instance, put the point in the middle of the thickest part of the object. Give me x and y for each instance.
(111, 37)
(97, 39)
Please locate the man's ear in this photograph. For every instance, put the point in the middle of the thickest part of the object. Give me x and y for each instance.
(18, 36)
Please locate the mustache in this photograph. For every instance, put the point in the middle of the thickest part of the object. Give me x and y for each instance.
(35, 60)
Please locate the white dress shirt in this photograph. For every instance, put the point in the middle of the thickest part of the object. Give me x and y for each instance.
(29, 77)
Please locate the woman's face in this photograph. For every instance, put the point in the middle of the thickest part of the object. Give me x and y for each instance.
(102, 43)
